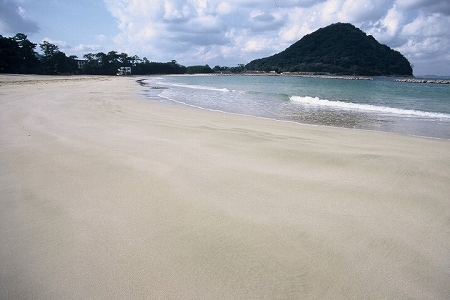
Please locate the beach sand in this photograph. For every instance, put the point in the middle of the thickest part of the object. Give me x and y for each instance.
(107, 195)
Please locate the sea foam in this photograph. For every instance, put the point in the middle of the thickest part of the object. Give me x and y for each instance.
(201, 87)
(317, 102)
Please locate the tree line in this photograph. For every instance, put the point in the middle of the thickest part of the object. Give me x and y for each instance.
(18, 56)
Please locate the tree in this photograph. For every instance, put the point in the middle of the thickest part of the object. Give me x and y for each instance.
(239, 69)
(55, 61)
(48, 59)
(199, 69)
(124, 59)
(8, 55)
(28, 62)
(91, 66)
(134, 60)
(48, 49)
(110, 62)
(17, 55)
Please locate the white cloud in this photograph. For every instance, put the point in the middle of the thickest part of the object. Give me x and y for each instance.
(434, 25)
(174, 13)
(61, 44)
(81, 48)
(363, 11)
(224, 8)
(255, 44)
(427, 41)
(237, 31)
(386, 29)
(78, 50)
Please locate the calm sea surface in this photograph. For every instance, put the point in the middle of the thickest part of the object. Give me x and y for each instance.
(380, 104)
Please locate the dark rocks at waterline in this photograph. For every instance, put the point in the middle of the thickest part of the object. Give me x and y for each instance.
(423, 80)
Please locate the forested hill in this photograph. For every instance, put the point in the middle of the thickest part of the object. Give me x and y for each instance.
(339, 48)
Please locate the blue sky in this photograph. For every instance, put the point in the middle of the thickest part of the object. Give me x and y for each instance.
(228, 32)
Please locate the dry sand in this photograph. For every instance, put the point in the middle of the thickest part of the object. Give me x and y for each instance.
(107, 195)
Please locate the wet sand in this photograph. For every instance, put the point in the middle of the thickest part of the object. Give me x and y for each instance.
(107, 195)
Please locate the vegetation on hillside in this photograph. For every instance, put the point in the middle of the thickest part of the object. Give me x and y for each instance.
(339, 48)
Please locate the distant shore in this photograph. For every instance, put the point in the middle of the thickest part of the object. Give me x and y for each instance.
(423, 80)
(300, 74)
(331, 76)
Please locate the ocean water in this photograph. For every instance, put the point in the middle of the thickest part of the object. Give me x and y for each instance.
(381, 104)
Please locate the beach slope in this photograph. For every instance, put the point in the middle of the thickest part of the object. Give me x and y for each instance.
(107, 195)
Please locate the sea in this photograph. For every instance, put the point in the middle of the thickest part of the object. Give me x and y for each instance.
(380, 104)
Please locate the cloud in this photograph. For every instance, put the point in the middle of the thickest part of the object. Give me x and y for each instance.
(62, 45)
(363, 11)
(14, 19)
(427, 40)
(386, 29)
(236, 31)
(81, 48)
(428, 6)
(78, 50)
(296, 3)
(264, 21)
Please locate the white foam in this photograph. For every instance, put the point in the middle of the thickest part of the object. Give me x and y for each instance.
(201, 87)
(315, 101)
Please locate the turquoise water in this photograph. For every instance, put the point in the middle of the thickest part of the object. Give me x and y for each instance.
(380, 104)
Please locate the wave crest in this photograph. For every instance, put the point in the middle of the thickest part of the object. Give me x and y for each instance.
(316, 101)
(201, 87)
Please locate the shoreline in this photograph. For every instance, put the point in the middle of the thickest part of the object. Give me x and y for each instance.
(106, 195)
(365, 116)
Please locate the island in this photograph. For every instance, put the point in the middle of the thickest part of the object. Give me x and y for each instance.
(340, 49)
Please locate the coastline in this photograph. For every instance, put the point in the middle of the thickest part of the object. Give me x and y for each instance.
(306, 107)
(106, 195)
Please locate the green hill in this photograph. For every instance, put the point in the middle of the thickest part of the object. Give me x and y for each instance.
(339, 48)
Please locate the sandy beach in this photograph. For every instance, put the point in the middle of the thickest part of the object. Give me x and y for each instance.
(107, 195)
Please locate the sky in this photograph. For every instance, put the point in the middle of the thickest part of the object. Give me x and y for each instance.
(229, 32)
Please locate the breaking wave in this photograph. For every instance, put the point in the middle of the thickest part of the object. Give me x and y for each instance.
(201, 87)
(317, 102)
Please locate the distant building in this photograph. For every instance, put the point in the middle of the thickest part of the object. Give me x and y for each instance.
(81, 63)
(124, 71)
